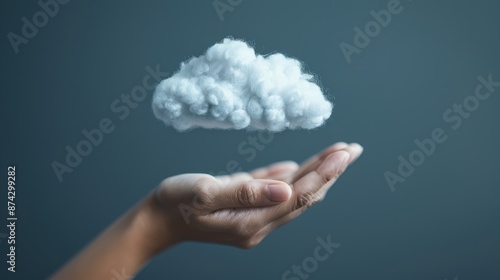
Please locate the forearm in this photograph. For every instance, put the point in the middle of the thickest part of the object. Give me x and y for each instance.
(124, 248)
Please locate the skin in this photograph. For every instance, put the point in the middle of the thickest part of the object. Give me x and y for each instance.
(238, 210)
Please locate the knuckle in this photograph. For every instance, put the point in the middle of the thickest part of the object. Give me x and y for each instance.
(305, 200)
(246, 194)
(328, 176)
(203, 191)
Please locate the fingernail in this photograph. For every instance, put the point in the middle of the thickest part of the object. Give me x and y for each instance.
(359, 147)
(277, 193)
(358, 150)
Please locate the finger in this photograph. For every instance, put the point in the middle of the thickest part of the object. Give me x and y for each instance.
(268, 218)
(265, 230)
(185, 187)
(283, 172)
(304, 196)
(251, 193)
(313, 162)
(275, 170)
(306, 189)
(285, 177)
(235, 177)
(244, 222)
(355, 151)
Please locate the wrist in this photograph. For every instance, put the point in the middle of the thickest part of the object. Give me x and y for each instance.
(155, 230)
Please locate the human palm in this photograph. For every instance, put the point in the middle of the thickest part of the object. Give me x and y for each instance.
(242, 208)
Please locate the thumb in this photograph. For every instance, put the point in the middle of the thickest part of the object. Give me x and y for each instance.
(253, 193)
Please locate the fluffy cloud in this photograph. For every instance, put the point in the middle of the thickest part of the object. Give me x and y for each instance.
(231, 87)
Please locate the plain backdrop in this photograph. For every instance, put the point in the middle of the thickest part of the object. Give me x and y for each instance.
(440, 223)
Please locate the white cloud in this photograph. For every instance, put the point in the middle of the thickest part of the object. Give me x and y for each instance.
(231, 87)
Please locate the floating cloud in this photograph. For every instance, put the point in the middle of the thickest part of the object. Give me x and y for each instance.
(230, 87)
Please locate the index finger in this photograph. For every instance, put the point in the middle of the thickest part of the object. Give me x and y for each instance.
(307, 189)
(314, 161)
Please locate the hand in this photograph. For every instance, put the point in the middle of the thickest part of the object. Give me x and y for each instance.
(242, 208)
(239, 210)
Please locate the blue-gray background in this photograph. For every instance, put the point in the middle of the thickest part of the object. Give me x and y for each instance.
(442, 222)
